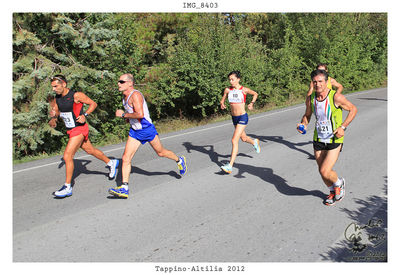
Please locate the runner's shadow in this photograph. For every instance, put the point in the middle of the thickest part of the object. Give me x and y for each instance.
(137, 170)
(80, 168)
(214, 156)
(291, 145)
(281, 185)
(140, 171)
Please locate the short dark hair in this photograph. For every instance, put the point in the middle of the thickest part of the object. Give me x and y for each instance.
(59, 77)
(322, 65)
(236, 73)
(318, 72)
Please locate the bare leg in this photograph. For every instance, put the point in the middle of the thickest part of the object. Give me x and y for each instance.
(239, 129)
(73, 145)
(91, 150)
(131, 147)
(161, 151)
(326, 160)
(246, 138)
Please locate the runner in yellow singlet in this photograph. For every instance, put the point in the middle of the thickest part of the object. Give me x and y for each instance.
(327, 105)
(330, 83)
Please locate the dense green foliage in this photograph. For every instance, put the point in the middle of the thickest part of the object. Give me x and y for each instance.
(181, 61)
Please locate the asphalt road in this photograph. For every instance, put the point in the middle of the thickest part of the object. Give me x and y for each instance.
(270, 209)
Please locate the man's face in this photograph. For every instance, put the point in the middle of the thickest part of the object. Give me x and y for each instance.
(58, 86)
(123, 83)
(319, 83)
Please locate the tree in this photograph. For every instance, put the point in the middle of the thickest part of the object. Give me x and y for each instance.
(45, 44)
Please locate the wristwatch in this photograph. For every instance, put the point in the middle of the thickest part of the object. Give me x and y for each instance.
(344, 128)
(85, 114)
(123, 114)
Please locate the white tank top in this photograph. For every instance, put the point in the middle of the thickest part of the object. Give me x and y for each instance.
(236, 96)
(323, 114)
(138, 124)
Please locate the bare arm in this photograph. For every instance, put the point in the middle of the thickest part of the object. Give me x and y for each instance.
(80, 97)
(337, 85)
(54, 113)
(307, 115)
(311, 89)
(254, 94)
(136, 101)
(341, 101)
(222, 102)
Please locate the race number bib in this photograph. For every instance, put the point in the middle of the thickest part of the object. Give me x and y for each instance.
(68, 119)
(324, 129)
(235, 96)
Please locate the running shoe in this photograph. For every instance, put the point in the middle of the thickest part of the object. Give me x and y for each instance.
(63, 192)
(330, 200)
(227, 168)
(257, 145)
(182, 166)
(113, 168)
(339, 191)
(119, 191)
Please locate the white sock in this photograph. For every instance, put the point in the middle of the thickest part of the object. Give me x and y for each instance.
(110, 162)
(337, 183)
(180, 161)
(68, 185)
(125, 186)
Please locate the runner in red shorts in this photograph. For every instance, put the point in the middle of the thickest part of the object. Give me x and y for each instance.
(68, 105)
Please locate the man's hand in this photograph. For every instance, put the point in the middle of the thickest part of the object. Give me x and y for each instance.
(53, 122)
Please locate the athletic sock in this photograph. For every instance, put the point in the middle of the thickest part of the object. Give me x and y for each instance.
(337, 183)
(110, 163)
(68, 185)
(179, 161)
(331, 188)
(125, 185)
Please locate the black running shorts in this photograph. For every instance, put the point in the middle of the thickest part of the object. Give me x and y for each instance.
(318, 146)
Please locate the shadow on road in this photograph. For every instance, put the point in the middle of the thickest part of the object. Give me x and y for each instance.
(80, 168)
(291, 145)
(372, 98)
(281, 185)
(266, 174)
(209, 150)
(365, 239)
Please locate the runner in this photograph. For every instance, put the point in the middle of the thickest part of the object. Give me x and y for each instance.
(142, 130)
(327, 105)
(331, 81)
(68, 104)
(236, 95)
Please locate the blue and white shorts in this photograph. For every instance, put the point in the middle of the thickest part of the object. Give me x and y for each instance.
(243, 119)
(144, 135)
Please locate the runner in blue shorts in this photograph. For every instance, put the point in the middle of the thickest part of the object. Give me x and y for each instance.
(142, 130)
(236, 95)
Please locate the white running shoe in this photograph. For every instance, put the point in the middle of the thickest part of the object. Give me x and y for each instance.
(63, 192)
(113, 168)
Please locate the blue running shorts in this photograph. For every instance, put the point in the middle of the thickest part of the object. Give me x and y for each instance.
(243, 119)
(144, 135)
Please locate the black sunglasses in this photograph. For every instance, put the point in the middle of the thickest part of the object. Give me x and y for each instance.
(59, 78)
(122, 81)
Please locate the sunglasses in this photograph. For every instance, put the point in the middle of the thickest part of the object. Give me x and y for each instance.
(122, 81)
(54, 78)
